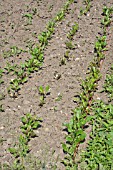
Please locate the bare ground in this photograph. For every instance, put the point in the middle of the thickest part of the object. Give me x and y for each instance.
(15, 31)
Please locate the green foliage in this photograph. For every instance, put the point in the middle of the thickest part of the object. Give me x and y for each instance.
(37, 53)
(63, 61)
(108, 85)
(107, 12)
(43, 93)
(60, 16)
(99, 153)
(66, 55)
(14, 87)
(100, 44)
(81, 116)
(29, 17)
(69, 45)
(1, 108)
(59, 98)
(1, 74)
(72, 32)
(21, 150)
(107, 15)
(87, 7)
(11, 68)
(30, 123)
(14, 51)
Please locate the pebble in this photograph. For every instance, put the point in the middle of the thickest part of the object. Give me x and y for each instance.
(98, 98)
(46, 129)
(2, 127)
(76, 59)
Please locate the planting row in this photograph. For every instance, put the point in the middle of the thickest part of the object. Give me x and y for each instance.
(82, 114)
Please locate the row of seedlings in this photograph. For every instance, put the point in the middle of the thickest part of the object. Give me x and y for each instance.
(30, 122)
(81, 114)
(68, 43)
(35, 63)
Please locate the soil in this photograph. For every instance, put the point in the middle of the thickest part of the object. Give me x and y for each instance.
(16, 31)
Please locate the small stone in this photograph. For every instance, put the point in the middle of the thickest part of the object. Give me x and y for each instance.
(78, 45)
(46, 129)
(2, 127)
(76, 59)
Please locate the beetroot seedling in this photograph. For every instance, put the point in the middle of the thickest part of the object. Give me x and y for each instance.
(69, 45)
(63, 61)
(72, 32)
(1, 108)
(29, 16)
(43, 93)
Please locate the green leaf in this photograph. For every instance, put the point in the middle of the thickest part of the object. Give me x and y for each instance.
(69, 139)
(47, 89)
(41, 90)
(42, 98)
(24, 80)
(65, 148)
(24, 120)
(36, 125)
(12, 150)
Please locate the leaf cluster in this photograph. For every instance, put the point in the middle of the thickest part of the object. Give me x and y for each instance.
(108, 85)
(73, 30)
(37, 53)
(81, 114)
(43, 93)
(87, 7)
(14, 51)
(99, 153)
(107, 12)
(20, 151)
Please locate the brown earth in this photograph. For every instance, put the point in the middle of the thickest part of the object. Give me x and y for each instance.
(15, 31)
